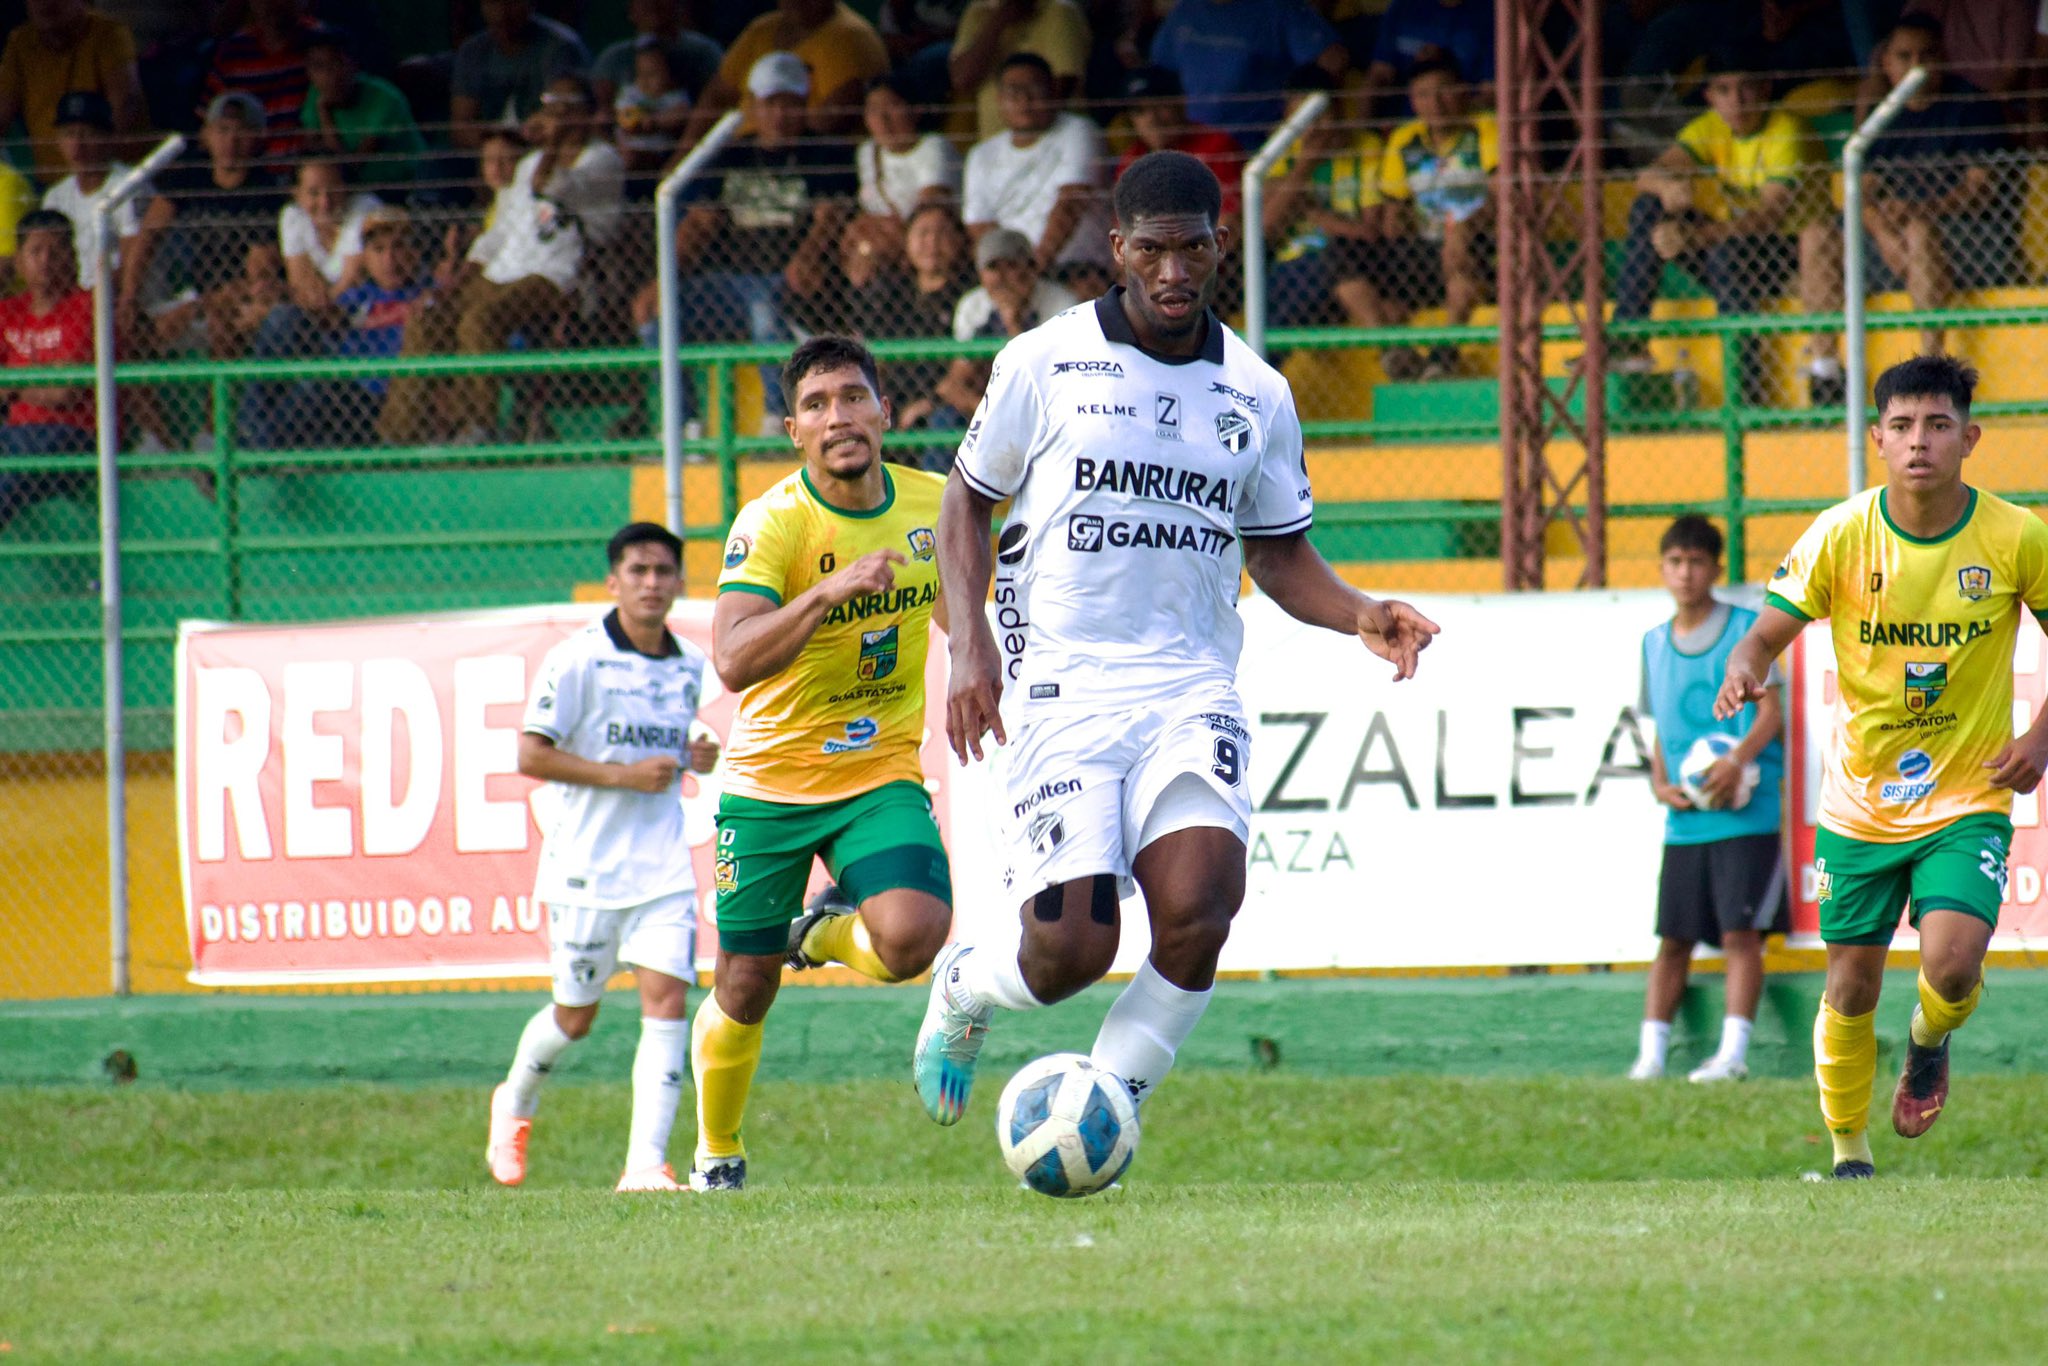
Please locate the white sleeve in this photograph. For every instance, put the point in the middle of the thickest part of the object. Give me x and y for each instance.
(294, 232)
(350, 243)
(485, 248)
(1081, 153)
(970, 313)
(938, 164)
(556, 703)
(1276, 500)
(996, 452)
(978, 189)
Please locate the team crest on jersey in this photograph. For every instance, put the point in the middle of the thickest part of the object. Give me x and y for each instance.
(1234, 430)
(725, 874)
(1924, 685)
(922, 543)
(736, 551)
(1974, 582)
(877, 653)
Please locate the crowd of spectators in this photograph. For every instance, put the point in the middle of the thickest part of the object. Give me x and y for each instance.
(939, 171)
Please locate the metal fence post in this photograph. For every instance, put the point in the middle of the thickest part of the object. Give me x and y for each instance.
(1252, 193)
(1855, 366)
(668, 324)
(106, 417)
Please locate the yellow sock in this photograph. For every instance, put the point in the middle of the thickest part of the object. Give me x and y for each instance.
(1845, 1065)
(724, 1054)
(1936, 1018)
(845, 939)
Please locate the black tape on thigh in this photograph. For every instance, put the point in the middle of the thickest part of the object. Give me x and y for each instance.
(1046, 905)
(1102, 900)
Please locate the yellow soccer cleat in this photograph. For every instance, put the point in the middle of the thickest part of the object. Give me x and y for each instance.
(505, 1153)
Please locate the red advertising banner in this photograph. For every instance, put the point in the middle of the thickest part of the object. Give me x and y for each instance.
(2024, 919)
(349, 802)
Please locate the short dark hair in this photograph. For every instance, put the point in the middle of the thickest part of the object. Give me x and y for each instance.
(1441, 63)
(1919, 23)
(326, 36)
(1735, 57)
(642, 533)
(827, 351)
(1923, 377)
(1028, 59)
(1167, 183)
(46, 220)
(1691, 532)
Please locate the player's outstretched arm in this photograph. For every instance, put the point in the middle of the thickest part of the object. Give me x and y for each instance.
(753, 637)
(1750, 664)
(1291, 572)
(975, 693)
(540, 757)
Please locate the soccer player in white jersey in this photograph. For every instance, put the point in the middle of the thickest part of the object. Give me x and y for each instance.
(1148, 454)
(609, 723)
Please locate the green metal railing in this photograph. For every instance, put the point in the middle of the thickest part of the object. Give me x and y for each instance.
(229, 546)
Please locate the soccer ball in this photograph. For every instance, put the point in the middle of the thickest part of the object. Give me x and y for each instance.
(1705, 752)
(1067, 1127)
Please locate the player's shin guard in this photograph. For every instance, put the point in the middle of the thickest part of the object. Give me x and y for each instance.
(845, 939)
(540, 1044)
(657, 1088)
(724, 1053)
(1845, 1065)
(1145, 1027)
(1937, 1018)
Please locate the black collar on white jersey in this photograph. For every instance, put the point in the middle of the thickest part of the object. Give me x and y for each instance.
(1109, 312)
(616, 629)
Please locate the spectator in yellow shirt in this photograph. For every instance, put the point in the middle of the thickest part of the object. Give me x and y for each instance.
(841, 49)
(65, 46)
(1733, 203)
(992, 31)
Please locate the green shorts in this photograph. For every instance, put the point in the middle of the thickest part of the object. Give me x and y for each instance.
(877, 842)
(1863, 886)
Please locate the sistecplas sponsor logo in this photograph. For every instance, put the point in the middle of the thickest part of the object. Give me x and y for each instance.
(1109, 368)
(860, 734)
(1914, 769)
(1045, 792)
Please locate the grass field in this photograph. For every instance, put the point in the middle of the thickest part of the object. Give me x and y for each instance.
(1275, 1217)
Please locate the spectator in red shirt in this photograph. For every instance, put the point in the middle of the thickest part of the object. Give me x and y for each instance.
(1159, 116)
(49, 323)
(267, 58)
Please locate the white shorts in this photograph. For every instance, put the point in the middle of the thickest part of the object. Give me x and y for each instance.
(586, 945)
(1085, 793)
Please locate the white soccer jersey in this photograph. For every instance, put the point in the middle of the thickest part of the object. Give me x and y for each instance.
(599, 698)
(1132, 476)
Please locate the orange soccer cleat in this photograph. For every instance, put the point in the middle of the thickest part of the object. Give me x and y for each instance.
(505, 1153)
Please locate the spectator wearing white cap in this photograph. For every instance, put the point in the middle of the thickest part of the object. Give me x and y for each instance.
(1012, 298)
(841, 49)
(763, 224)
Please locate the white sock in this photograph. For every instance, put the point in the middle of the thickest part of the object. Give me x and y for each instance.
(1656, 1042)
(1145, 1027)
(990, 977)
(1734, 1037)
(657, 1086)
(540, 1043)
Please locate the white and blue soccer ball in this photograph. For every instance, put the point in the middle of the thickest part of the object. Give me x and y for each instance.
(1067, 1127)
(1704, 754)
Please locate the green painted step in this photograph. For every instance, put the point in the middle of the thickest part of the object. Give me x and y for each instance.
(1476, 402)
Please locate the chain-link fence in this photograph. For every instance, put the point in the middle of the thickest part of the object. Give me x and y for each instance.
(341, 400)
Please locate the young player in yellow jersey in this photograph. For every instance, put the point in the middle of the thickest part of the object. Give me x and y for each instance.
(831, 583)
(1923, 581)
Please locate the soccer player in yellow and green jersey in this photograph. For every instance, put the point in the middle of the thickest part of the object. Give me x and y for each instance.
(831, 585)
(1923, 582)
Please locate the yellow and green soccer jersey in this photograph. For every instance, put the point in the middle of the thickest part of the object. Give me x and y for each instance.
(1923, 634)
(848, 715)
(1778, 153)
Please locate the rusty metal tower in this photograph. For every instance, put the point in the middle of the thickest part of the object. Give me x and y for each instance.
(1553, 463)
